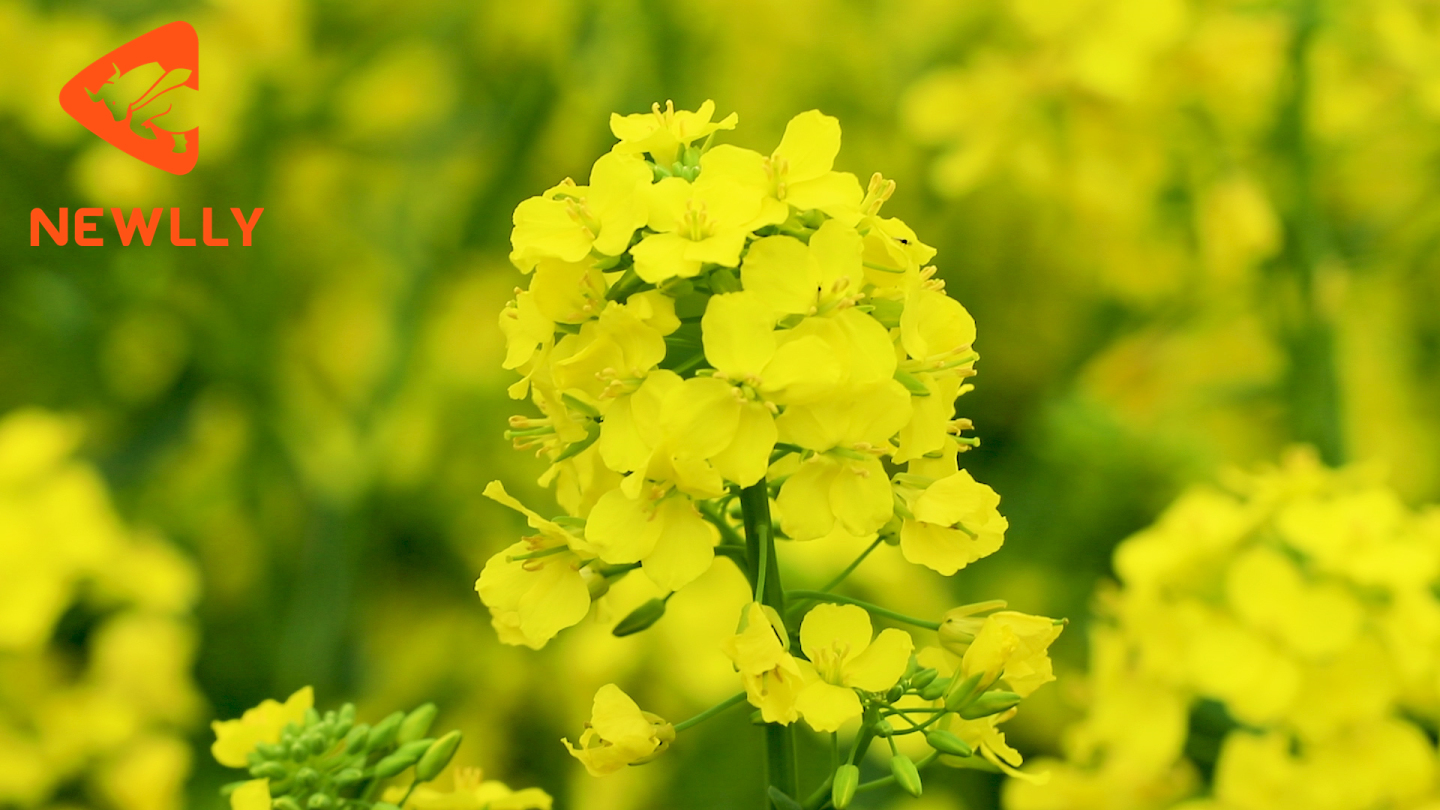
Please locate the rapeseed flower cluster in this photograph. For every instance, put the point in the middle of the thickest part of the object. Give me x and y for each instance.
(298, 758)
(95, 641)
(1278, 638)
(729, 351)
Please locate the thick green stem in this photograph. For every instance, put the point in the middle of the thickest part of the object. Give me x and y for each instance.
(780, 770)
(1312, 383)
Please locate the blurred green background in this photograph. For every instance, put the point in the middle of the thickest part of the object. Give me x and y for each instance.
(1192, 232)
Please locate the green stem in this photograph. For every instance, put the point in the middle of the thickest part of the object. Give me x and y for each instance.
(851, 568)
(780, 770)
(544, 552)
(821, 596)
(710, 712)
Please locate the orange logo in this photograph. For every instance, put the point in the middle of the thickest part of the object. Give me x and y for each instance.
(141, 97)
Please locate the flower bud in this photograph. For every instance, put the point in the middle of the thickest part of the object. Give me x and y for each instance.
(416, 723)
(923, 678)
(947, 743)
(992, 702)
(319, 801)
(349, 776)
(384, 732)
(640, 618)
(270, 750)
(285, 803)
(355, 740)
(347, 713)
(394, 764)
(907, 776)
(935, 689)
(842, 790)
(960, 626)
(305, 777)
(269, 770)
(960, 692)
(437, 756)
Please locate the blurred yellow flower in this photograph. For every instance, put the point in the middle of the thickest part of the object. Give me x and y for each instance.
(252, 795)
(235, 739)
(472, 791)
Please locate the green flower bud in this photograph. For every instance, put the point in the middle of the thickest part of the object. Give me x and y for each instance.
(961, 692)
(285, 803)
(906, 774)
(269, 770)
(270, 750)
(305, 777)
(299, 751)
(416, 747)
(355, 740)
(394, 764)
(641, 618)
(894, 694)
(319, 801)
(842, 789)
(992, 702)
(349, 776)
(923, 678)
(437, 757)
(934, 689)
(384, 732)
(311, 716)
(416, 723)
(947, 743)
(347, 713)
(884, 729)
(317, 744)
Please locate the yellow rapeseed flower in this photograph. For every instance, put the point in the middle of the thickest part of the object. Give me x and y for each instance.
(234, 739)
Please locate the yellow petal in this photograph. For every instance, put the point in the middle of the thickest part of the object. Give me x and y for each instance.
(663, 256)
(835, 193)
(620, 528)
(746, 458)
(804, 500)
(618, 720)
(828, 628)
(880, 666)
(860, 496)
(738, 333)
(827, 707)
(557, 599)
(809, 145)
(684, 547)
(780, 272)
(700, 417)
(253, 795)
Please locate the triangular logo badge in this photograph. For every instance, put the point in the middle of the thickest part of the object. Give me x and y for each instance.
(142, 97)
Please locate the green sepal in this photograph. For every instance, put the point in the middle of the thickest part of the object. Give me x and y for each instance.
(992, 702)
(961, 692)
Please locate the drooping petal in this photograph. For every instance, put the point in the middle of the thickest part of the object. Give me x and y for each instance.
(860, 496)
(558, 599)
